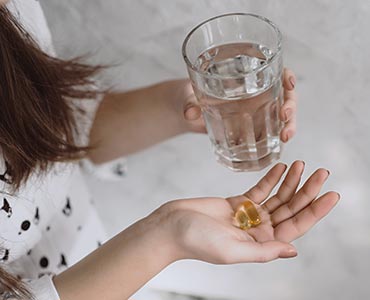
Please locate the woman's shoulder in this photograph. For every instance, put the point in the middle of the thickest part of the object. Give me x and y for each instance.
(30, 14)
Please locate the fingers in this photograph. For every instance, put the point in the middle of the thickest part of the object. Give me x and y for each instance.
(289, 130)
(240, 252)
(287, 188)
(289, 79)
(289, 109)
(264, 187)
(299, 224)
(302, 198)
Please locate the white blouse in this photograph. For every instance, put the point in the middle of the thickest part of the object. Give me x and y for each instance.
(51, 222)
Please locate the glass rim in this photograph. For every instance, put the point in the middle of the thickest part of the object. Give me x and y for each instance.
(269, 60)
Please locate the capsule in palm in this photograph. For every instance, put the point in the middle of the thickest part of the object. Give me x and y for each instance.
(247, 215)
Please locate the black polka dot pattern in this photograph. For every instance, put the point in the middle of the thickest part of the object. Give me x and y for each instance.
(6, 208)
(6, 177)
(25, 226)
(67, 210)
(63, 261)
(44, 262)
(46, 274)
(4, 254)
(119, 170)
(31, 218)
(37, 216)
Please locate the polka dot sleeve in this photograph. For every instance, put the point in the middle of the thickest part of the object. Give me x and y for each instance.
(43, 288)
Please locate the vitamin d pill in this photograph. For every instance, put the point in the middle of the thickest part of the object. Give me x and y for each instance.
(247, 215)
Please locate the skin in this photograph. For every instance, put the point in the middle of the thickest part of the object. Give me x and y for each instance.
(202, 229)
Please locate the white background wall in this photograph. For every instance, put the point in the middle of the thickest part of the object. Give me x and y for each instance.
(327, 45)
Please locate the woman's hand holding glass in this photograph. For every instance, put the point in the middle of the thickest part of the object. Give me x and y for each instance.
(195, 123)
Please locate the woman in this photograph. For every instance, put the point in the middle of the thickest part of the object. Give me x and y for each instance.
(47, 221)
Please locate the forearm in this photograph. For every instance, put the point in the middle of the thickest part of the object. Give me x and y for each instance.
(128, 122)
(120, 267)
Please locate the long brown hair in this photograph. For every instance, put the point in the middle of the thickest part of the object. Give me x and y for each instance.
(37, 116)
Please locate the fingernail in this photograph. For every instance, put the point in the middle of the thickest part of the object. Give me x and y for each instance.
(288, 135)
(339, 196)
(304, 167)
(288, 253)
(292, 81)
(328, 172)
(288, 114)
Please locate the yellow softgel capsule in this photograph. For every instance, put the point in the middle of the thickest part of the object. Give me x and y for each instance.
(247, 215)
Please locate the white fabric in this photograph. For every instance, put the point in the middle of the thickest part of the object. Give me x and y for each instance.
(31, 16)
(111, 171)
(50, 223)
(44, 288)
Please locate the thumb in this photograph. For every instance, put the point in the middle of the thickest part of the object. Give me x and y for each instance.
(262, 252)
(192, 112)
(193, 116)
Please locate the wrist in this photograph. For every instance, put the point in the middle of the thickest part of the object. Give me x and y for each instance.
(176, 218)
(174, 94)
(161, 226)
(136, 254)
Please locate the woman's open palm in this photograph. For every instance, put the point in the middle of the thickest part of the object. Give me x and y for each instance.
(210, 233)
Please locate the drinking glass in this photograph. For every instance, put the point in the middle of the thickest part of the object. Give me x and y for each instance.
(235, 67)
